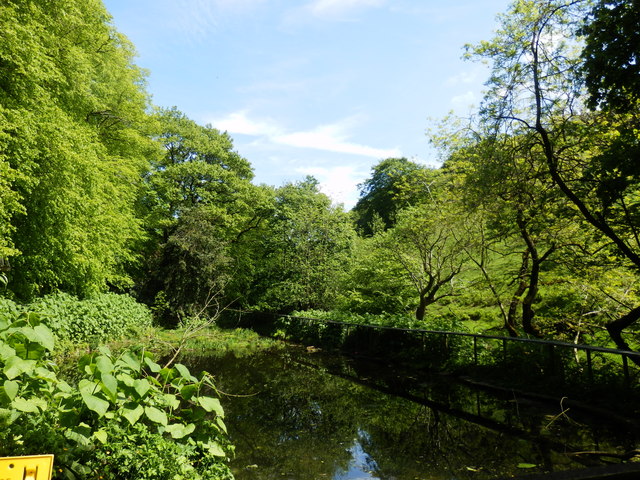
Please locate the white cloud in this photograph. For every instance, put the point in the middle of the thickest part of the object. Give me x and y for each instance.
(338, 183)
(239, 123)
(333, 137)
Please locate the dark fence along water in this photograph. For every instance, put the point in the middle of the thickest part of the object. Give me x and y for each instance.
(513, 360)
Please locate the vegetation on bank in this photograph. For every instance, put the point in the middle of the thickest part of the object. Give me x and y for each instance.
(125, 413)
(531, 225)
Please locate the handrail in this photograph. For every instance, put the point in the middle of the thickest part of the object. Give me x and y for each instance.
(579, 346)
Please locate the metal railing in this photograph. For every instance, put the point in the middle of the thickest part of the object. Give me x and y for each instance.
(588, 357)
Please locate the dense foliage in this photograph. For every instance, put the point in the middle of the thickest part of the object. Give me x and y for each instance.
(119, 410)
(530, 227)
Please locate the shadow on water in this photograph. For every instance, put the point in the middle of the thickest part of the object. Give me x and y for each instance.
(299, 415)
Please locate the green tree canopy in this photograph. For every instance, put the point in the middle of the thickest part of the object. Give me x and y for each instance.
(385, 192)
(305, 250)
(612, 55)
(74, 146)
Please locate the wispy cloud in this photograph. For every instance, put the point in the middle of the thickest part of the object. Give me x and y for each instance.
(196, 18)
(329, 10)
(337, 9)
(334, 137)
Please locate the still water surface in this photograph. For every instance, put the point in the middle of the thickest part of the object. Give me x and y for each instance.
(297, 415)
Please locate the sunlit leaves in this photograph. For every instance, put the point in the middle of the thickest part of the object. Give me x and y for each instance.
(74, 147)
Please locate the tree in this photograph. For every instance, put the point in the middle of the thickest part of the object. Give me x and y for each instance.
(201, 205)
(428, 242)
(523, 215)
(304, 252)
(199, 167)
(380, 195)
(536, 88)
(74, 147)
(612, 55)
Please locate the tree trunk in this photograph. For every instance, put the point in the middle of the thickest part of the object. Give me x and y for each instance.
(422, 307)
(510, 321)
(615, 328)
(527, 303)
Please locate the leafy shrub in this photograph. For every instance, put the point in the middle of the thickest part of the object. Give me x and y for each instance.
(127, 417)
(106, 315)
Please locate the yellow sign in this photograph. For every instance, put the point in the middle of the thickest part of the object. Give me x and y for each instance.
(36, 467)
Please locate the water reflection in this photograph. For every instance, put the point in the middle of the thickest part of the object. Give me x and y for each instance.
(302, 416)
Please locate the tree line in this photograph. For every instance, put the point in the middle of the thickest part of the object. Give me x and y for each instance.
(531, 224)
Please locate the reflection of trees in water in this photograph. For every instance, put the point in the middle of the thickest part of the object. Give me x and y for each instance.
(303, 421)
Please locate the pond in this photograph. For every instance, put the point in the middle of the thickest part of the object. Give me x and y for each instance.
(295, 414)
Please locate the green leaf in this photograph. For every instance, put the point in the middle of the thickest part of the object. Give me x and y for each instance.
(43, 336)
(80, 434)
(188, 391)
(184, 372)
(211, 404)
(178, 430)
(45, 374)
(131, 361)
(153, 366)
(215, 449)
(94, 403)
(6, 351)
(25, 405)
(133, 414)
(109, 385)
(156, 415)
(171, 400)
(101, 435)
(141, 387)
(527, 465)
(104, 365)
(16, 366)
(11, 388)
(221, 424)
(126, 379)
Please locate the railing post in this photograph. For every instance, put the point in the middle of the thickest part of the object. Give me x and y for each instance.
(504, 350)
(552, 363)
(475, 350)
(625, 368)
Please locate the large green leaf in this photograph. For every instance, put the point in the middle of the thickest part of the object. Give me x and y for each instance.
(141, 387)
(215, 449)
(153, 366)
(104, 364)
(132, 414)
(24, 405)
(178, 430)
(94, 403)
(6, 351)
(43, 336)
(109, 385)
(156, 415)
(11, 388)
(211, 404)
(16, 366)
(184, 372)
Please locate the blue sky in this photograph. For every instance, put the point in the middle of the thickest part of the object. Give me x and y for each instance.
(313, 87)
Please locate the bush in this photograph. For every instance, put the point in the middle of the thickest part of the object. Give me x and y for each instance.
(127, 417)
(103, 316)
